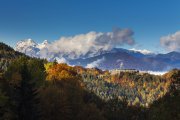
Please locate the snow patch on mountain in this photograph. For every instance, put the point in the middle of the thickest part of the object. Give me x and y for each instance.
(144, 51)
(95, 63)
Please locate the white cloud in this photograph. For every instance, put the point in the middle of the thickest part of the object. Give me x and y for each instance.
(95, 63)
(171, 42)
(61, 60)
(91, 43)
(144, 51)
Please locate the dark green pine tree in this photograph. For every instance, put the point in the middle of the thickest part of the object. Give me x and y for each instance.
(22, 89)
(27, 104)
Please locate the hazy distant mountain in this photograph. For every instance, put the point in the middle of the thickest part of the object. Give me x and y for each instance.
(132, 59)
(109, 59)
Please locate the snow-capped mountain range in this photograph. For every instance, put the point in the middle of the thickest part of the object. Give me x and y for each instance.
(104, 59)
(31, 48)
(50, 52)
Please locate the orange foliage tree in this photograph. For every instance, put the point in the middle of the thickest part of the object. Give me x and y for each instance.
(61, 72)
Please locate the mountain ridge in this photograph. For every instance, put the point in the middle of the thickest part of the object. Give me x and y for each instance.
(109, 59)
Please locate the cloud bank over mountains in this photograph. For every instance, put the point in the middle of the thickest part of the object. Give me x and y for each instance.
(171, 42)
(82, 45)
(98, 49)
(92, 42)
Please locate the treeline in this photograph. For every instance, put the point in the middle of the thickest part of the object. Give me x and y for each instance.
(33, 89)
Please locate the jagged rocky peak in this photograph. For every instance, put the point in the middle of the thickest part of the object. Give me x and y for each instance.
(43, 44)
(30, 41)
(26, 42)
(27, 46)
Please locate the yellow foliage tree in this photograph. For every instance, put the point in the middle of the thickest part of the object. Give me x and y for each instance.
(61, 72)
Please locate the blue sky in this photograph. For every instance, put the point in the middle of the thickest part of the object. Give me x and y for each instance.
(52, 19)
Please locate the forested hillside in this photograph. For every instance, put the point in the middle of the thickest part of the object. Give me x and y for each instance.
(7, 54)
(34, 89)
